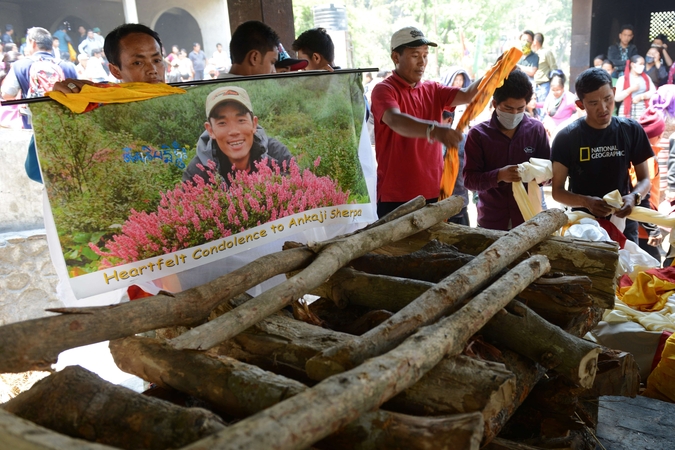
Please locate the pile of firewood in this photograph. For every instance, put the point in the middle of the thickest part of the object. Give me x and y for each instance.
(426, 335)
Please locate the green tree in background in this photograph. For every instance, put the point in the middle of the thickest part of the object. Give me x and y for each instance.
(470, 33)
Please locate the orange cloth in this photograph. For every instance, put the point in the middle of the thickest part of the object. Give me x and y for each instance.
(649, 291)
(493, 79)
(112, 93)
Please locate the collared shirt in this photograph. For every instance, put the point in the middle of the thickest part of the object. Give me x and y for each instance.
(408, 167)
(487, 150)
(546, 64)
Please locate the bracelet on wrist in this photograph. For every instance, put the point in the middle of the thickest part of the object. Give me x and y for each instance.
(430, 128)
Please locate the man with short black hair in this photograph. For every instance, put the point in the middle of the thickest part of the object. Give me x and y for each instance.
(408, 135)
(199, 61)
(253, 49)
(596, 151)
(316, 46)
(546, 64)
(62, 35)
(623, 50)
(494, 149)
(89, 43)
(529, 62)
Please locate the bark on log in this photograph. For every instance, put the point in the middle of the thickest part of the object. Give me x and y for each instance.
(523, 331)
(388, 431)
(239, 389)
(323, 409)
(561, 300)
(596, 260)
(433, 262)
(439, 300)
(20, 434)
(618, 374)
(455, 385)
(80, 404)
(328, 261)
(242, 390)
(37, 343)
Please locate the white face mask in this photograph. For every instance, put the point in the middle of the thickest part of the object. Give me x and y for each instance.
(509, 120)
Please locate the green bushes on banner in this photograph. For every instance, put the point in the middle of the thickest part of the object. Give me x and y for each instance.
(103, 166)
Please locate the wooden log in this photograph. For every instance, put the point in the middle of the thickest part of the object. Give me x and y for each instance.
(239, 389)
(433, 262)
(397, 431)
(618, 374)
(37, 343)
(242, 390)
(317, 412)
(439, 300)
(20, 434)
(560, 299)
(329, 260)
(80, 404)
(522, 330)
(596, 260)
(456, 384)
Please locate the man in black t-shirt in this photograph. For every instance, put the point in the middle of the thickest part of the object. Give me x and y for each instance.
(596, 153)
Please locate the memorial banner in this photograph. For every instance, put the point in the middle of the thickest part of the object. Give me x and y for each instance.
(144, 190)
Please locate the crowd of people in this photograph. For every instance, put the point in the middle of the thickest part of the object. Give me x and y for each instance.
(595, 144)
(605, 137)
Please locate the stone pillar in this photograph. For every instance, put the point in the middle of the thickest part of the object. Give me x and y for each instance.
(130, 12)
(278, 14)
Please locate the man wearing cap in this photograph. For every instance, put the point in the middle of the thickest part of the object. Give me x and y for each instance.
(233, 139)
(408, 135)
(287, 64)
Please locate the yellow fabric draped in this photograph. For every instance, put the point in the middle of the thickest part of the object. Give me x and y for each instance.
(493, 79)
(121, 93)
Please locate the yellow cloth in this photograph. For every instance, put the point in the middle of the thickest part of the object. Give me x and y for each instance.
(661, 382)
(533, 172)
(493, 79)
(647, 293)
(641, 214)
(122, 93)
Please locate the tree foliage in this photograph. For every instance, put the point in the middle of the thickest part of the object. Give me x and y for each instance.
(486, 26)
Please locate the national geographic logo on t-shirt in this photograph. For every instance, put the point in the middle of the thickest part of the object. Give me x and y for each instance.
(609, 151)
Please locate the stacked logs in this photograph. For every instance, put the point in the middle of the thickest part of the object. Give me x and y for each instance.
(425, 336)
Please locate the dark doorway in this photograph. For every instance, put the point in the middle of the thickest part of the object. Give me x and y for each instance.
(177, 27)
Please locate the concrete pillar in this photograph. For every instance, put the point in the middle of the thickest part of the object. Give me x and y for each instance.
(130, 12)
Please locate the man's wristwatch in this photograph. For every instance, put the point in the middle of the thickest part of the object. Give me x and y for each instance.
(638, 198)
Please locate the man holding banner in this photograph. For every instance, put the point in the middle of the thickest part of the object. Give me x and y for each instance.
(408, 133)
(233, 140)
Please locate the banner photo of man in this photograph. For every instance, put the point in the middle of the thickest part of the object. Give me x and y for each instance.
(161, 190)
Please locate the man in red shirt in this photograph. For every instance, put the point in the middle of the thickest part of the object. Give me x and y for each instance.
(408, 133)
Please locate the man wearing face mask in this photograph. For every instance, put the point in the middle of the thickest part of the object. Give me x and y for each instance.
(494, 149)
(529, 63)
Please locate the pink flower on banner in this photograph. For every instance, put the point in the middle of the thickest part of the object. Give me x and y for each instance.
(199, 211)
